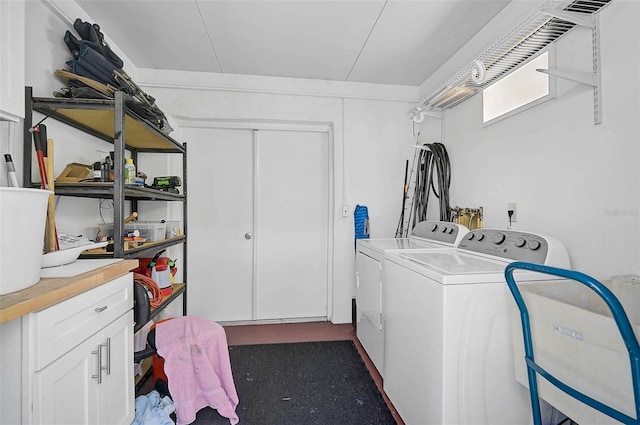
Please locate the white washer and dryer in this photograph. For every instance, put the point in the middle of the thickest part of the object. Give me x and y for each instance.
(448, 344)
(370, 254)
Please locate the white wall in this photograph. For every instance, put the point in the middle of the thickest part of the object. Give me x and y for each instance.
(371, 138)
(46, 52)
(48, 21)
(371, 132)
(571, 179)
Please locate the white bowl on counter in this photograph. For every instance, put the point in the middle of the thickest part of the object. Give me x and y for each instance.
(67, 256)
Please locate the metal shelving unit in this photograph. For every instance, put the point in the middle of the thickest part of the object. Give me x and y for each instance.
(112, 121)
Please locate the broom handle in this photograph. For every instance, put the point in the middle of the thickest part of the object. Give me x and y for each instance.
(51, 235)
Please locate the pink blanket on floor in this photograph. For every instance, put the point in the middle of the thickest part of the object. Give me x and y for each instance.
(196, 362)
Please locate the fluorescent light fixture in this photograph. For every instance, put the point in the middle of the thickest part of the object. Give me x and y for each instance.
(451, 97)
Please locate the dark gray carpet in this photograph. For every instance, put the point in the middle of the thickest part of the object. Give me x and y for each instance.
(311, 383)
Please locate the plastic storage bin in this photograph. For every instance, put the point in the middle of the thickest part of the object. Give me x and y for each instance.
(173, 229)
(151, 231)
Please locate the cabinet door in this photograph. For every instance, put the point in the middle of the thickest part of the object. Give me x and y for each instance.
(65, 392)
(69, 391)
(12, 41)
(369, 307)
(116, 391)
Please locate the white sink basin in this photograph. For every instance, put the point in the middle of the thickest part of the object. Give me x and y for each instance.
(576, 340)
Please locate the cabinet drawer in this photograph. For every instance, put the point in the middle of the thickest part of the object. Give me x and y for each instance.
(59, 328)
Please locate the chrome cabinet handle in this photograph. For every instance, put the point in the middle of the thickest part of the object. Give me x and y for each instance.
(100, 309)
(99, 353)
(108, 345)
(100, 366)
(248, 235)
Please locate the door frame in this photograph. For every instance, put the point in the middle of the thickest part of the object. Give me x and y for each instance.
(285, 125)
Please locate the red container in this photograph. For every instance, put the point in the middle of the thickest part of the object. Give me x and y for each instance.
(162, 265)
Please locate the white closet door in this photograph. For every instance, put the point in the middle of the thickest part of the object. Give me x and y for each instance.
(220, 214)
(258, 224)
(292, 205)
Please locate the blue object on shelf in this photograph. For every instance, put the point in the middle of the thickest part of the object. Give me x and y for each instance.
(621, 320)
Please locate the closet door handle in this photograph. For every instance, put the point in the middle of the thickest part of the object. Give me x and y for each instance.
(248, 235)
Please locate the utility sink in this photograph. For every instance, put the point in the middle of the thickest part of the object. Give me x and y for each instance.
(576, 340)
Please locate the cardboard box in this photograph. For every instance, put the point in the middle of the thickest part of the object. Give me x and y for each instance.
(74, 173)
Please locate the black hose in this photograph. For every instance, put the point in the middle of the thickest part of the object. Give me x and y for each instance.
(433, 174)
(138, 356)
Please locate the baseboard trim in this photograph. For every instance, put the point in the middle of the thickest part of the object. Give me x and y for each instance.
(274, 321)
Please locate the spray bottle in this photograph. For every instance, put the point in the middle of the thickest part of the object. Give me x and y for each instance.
(11, 171)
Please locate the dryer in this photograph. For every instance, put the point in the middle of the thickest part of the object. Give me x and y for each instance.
(370, 254)
(448, 347)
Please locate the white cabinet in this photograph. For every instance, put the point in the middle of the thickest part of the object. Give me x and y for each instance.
(12, 59)
(64, 392)
(369, 307)
(79, 358)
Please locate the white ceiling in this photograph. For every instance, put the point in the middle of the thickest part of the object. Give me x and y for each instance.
(373, 41)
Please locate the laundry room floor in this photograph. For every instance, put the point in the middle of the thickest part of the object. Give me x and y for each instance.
(299, 332)
(305, 332)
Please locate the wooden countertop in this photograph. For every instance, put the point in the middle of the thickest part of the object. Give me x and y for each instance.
(49, 291)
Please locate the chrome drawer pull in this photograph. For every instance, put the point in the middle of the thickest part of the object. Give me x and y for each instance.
(100, 309)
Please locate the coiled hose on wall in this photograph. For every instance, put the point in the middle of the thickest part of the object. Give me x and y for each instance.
(433, 174)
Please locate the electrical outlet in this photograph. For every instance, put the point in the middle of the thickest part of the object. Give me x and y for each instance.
(512, 206)
(345, 210)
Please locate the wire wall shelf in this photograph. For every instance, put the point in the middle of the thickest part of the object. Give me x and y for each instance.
(536, 31)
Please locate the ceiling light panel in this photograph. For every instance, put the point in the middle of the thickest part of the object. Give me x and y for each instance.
(304, 39)
(412, 39)
(151, 36)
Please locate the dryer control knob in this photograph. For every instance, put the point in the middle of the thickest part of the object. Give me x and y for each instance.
(449, 230)
(520, 242)
(498, 238)
(533, 245)
(480, 237)
(444, 229)
(434, 226)
(470, 236)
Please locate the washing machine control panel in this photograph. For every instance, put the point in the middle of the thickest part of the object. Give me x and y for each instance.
(514, 245)
(441, 231)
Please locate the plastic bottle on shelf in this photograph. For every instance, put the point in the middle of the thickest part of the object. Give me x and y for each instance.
(97, 172)
(129, 172)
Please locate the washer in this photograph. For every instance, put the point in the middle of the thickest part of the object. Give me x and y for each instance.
(448, 344)
(370, 254)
